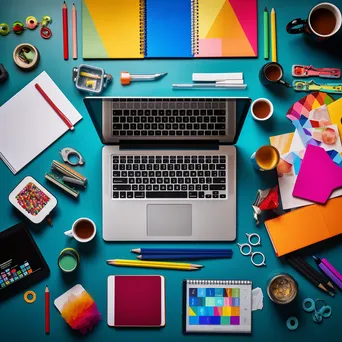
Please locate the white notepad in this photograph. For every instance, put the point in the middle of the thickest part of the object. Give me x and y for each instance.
(28, 124)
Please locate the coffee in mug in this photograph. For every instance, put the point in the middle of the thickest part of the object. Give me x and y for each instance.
(261, 109)
(83, 230)
(323, 21)
(266, 158)
(272, 73)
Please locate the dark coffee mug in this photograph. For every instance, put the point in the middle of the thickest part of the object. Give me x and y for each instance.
(272, 73)
(323, 21)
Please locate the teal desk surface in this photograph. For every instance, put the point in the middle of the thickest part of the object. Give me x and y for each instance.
(23, 322)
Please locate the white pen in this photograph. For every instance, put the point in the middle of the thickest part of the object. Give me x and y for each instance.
(208, 86)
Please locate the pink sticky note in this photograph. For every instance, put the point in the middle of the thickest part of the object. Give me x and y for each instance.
(318, 176)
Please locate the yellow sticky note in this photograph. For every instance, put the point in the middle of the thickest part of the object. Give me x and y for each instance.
(335, 112)
(227, 311)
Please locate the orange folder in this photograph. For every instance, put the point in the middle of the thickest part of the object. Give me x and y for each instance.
(305, 226)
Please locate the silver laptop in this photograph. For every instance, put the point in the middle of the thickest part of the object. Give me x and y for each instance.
(168, 166)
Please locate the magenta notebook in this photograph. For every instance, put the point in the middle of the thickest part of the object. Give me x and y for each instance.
(136, 301)
(318, 176)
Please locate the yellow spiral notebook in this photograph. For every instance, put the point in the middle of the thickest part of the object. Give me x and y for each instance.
(169, 28)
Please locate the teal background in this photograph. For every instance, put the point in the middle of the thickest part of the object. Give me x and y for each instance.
(20, 321)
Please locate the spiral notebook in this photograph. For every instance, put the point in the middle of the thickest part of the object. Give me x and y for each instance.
(217, 306)
(123, 29)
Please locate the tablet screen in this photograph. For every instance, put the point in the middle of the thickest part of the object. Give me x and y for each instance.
(21, 262)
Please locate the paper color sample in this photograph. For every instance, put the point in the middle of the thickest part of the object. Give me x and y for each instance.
(168, 29)
(288, 170)
(282, 142)
(136, 301)
(29, 124)
(110, 29)
(335, 112)
(227, 28)
(318, 176)
(304, 227)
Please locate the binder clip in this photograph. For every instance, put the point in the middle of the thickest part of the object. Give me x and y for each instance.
(90, 79)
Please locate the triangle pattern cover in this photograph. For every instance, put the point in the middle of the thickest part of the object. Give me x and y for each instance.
(226, 36)
(246, 12)
(92, 46)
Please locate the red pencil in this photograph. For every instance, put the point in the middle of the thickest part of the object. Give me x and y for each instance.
(47, 310)
(54, 107)
(65, 31)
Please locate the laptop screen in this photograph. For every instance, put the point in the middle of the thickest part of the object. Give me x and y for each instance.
(159, 118)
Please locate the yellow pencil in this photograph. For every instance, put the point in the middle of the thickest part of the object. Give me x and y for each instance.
(153, 264)
(274, 35)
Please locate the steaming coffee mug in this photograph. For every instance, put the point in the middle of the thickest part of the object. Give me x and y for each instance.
(272, 73)
(83, 230)
(323, 21)
(266, 158)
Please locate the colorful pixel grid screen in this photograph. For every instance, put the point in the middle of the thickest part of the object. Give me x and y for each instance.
(214, 306)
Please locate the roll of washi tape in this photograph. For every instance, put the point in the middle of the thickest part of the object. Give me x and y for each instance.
(45, 32)
(292, 323)
(308, 305)
(68, 260)
(26, 56)
(27, 296)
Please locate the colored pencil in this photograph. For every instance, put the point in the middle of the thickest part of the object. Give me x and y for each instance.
(74, 32)
(308, 276)
(54, 107)
(274, 35)
(183, 256)
(65, 31)
(328, 270)
(266, 33)
(319, 276)
(151, 264)
(180, 250)
(47, 310)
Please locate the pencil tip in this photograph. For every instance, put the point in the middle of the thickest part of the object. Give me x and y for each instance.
(265, 10)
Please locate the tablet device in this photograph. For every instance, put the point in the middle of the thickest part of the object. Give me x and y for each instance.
(21, 263)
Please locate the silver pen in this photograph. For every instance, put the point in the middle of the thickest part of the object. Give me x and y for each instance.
(208, 86)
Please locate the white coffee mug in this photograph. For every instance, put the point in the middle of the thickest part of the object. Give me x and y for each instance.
(76, 230)
(255, 115)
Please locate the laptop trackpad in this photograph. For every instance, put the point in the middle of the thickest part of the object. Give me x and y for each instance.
(169, 219)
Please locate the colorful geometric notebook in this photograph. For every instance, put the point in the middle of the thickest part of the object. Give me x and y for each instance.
(136, 301)
(217, 306)
(169, 29)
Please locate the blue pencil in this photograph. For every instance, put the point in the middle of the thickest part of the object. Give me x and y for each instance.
(183, 256)
(181, 251)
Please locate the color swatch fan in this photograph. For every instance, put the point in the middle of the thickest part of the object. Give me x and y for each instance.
(301, 109)
(318, 176)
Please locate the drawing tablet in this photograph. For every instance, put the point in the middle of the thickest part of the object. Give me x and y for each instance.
(21, 263)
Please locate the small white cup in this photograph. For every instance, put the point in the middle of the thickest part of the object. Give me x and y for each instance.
(72, 231)
(266, 117)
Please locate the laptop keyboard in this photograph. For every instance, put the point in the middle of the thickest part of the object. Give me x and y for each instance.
(169, 117)
(202, 177)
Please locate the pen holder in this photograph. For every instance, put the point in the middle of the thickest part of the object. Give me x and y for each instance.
(90, 79)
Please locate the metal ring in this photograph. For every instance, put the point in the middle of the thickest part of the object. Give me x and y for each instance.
(249, 236)
(262, 263)
(292, 323)
(30, 293)
(242, 246)
(311, 307)
(327, 311)
(68, 151)
(45, 32)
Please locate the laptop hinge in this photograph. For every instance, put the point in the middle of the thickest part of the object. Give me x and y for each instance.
(169, 145)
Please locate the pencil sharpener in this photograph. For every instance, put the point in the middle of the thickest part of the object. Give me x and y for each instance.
(90, 79)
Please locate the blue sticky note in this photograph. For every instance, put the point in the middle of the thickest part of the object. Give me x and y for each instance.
(218, 292)
(202, 311)
(168, 28)
(210, 292)
(219, 301)
(192, 292)
(210, 311)
(215, 320)
(193, 320)
(201, 292)
(236, 301)
(192, 301)
(204, 320)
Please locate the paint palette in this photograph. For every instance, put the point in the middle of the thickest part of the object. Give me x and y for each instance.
(217, 307)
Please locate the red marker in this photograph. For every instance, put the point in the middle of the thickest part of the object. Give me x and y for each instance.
(47, 310)
(65, 31)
